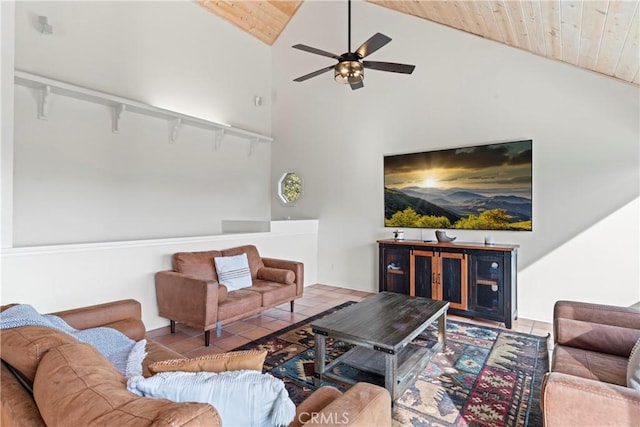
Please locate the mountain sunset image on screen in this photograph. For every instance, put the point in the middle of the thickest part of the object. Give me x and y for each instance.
(484, 187)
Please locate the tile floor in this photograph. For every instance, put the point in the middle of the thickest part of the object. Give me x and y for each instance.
(316, 299)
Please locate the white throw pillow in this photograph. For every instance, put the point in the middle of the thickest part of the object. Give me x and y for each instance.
(242, 398)
(233, 271)
(633, 368)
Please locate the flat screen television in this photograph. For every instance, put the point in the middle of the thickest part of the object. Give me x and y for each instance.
(484, 187)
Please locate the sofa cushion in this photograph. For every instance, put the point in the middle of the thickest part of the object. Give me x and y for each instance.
(273, 293)
(253, 256)
(219, 362)
(233, 271)
(199, 264)
(76, 385)
(633, 368)
(24, 347)
(200, 271)
(239, 302)
(242, 398)
(590, 364)
(589, 334)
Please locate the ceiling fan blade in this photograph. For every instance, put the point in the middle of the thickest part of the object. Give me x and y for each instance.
(356, 83)
(315, 73)
(389, 66)
(374, 43)
(316, 51)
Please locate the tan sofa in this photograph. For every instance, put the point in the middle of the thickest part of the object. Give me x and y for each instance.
(74, 385)
(587, 383)
(191, 293)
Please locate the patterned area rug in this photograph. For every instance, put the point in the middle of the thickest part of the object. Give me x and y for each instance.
(483, 377)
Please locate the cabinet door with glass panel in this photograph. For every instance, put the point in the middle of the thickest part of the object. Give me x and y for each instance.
(394, 269)
(488, 283)
(439, 275)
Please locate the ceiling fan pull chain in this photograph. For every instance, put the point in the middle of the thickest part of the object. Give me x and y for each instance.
(349, 27)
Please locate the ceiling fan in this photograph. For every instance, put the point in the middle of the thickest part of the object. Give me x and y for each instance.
(350, 66)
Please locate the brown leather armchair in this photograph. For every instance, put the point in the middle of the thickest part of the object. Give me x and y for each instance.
(587, 385)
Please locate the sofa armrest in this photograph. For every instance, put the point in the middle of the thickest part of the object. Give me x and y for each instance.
(295, 266)
(123, 315)
(187, 299)
(313, 404)
(17, 407)
(363, 405)
(568, 400)
(596, 327)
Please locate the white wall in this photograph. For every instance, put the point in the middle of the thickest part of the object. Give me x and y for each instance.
(465, 91)
(76, 181)
(7, 39)
(588, 266)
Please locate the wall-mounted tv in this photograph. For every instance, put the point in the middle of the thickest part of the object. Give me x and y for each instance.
(484, 187)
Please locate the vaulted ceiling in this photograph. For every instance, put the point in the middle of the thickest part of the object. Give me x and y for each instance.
(598, 35)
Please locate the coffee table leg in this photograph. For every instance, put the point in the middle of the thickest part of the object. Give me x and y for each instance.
(442, 328)
(319, 360)
(391, 374)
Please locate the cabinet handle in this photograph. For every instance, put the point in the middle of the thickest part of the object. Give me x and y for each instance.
(438, 277)
(434, 278)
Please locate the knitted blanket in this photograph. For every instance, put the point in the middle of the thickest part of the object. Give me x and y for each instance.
(125, 354)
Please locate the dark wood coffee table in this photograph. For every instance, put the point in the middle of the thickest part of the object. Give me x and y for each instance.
(382, 328)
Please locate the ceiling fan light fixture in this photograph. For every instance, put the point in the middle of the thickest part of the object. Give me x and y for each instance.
(349, 72)
(350, 67)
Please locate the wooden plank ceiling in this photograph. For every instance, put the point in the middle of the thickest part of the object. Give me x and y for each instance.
(598, 35)
(262, 19)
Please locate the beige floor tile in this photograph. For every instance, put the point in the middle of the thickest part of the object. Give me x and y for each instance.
(342, 290)
(188, 344)
(276, 325)
(311, 311)
(231, 342)
(256, 333)
(238, 327)
(290, 317)
(305, 303)
(323, 299)
(168, 338)
(159, 332)
(543, 326)
(360, 293)
(523, 322)
(262, 319)
(522, 328)
(187, 330)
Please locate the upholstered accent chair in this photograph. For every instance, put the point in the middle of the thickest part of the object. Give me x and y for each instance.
(588, 382)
